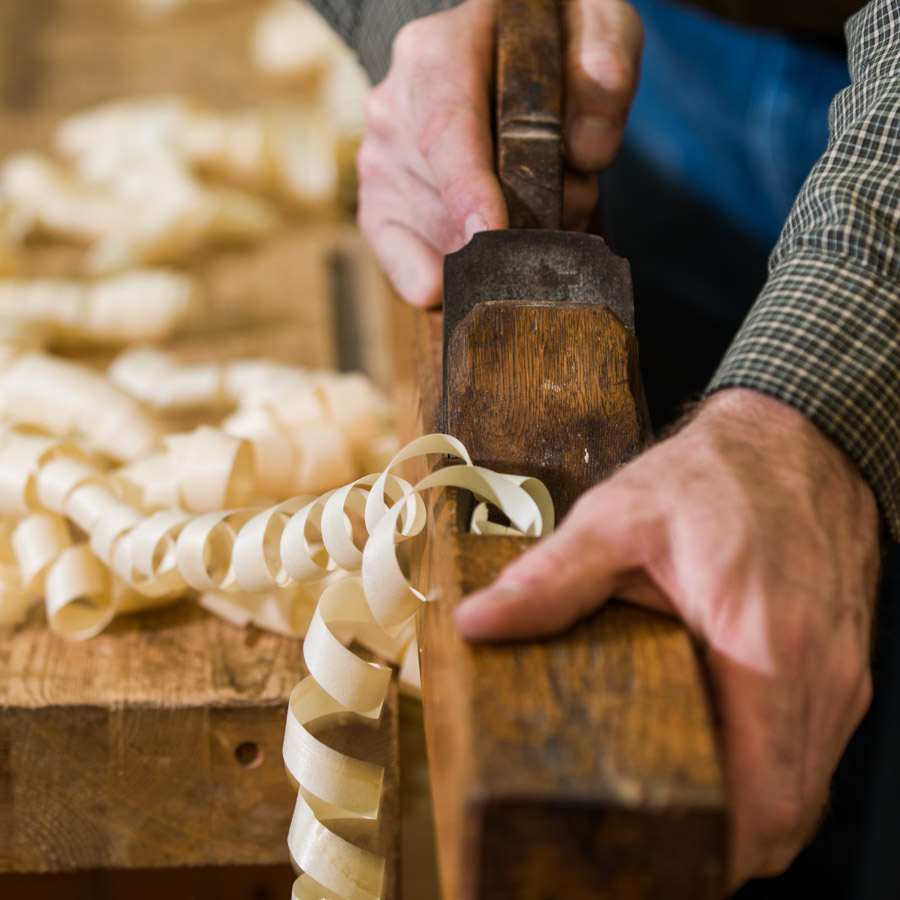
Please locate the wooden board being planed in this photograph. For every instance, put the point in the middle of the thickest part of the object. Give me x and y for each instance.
(158, 743)
(585, 765)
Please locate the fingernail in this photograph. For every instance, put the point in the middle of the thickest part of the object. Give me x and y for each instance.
(589, 139)
(492, 596)
(475, 223)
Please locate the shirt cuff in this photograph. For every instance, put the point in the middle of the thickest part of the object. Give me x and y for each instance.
(822, 337)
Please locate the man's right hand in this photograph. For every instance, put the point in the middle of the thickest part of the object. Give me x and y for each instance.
(426, 164)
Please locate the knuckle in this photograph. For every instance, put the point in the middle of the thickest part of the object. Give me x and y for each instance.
(380, 108)
(851, 672)
(612, 72)
(367, 164)
(783, 827)
(433, 128)
(412, 42)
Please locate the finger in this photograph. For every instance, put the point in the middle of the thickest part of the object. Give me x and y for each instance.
(754, 778)
(449, 104)
(405, 222)
(565, 577)
(396, 194)
(817, 732)
(414, 267)
(534, 596)
(605, 39)
(456, 142)
(387, 124)
(784, 730)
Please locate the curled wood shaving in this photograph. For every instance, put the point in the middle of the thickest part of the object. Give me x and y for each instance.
(132, 205)
(144, 304)
(286, 151)
(308, 430)
(66, 398)
(333, 785)
(326, 564)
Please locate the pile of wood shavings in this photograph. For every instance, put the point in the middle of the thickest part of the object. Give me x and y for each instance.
(134, 185)
(83, 462)
(157, 180)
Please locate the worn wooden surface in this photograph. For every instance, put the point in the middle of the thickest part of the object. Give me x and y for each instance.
(549, 390)
(124, 751)
(60, 56)
(581, 767)
(200, 883)
(584, 766)
(530, 111)
(158, 743)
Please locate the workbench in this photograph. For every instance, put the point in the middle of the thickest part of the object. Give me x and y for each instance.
(148, 759)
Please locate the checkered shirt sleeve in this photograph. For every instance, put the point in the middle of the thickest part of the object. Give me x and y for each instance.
(824, 334)
(369, 26)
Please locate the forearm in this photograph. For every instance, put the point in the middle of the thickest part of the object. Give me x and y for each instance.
(369, 26)
(824, 335)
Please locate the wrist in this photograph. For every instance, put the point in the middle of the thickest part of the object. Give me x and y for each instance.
(744, 406)
(790, 444)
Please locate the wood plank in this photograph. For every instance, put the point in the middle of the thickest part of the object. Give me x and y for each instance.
(578, 767)
(585, 765)
(176, 679)
(224, 883)
(158, 743)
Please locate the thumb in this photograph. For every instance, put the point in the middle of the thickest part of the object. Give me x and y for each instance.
(603, 49)
(563, 579)
(449, 56)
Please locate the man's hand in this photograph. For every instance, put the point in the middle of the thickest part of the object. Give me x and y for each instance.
(426, 164)
(760, 534)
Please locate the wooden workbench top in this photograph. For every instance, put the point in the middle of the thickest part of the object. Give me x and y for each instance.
(158, 743)
(177, 656)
